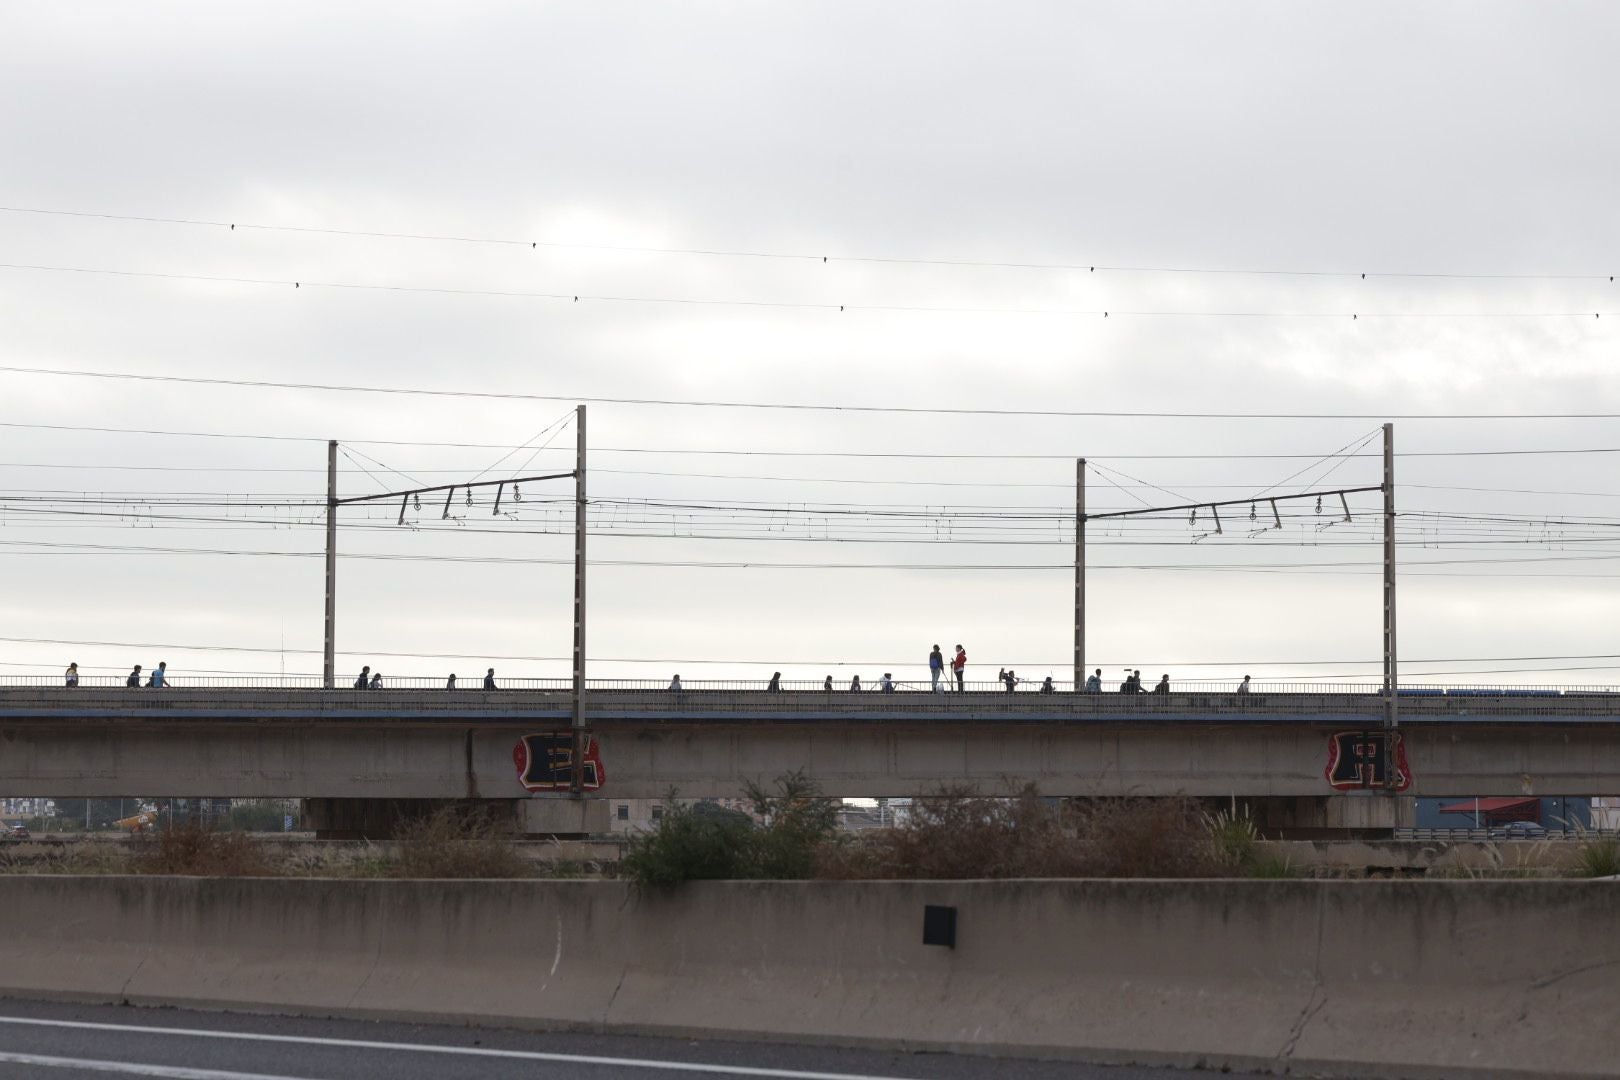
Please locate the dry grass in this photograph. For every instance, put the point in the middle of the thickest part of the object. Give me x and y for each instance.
(958, 834)
(453, 842)
(197, 849)
(79, 857)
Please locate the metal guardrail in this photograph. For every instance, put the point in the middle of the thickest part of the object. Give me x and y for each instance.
(1497, 832)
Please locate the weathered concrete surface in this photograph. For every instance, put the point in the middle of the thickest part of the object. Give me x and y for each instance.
(439, 745)
(1408, 979)
(449, 760)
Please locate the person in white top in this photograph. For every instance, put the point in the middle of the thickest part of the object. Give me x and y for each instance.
(675, 684)
(1243, 687)
(886, 684)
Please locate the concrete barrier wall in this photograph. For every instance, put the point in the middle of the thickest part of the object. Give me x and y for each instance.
(1412, 979)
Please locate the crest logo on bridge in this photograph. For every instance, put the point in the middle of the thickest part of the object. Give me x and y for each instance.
(1356, 760)
(545, 762)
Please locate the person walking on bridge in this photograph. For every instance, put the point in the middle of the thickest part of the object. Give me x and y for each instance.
(675, 685)
(376, 680)
(450, 683)
(1164, 685)
(1243, 687)
(827, 686)
(886, 684)
(158, 674)
(1094, 683)
(134, 677)
(936, 668)
(364, 681)
(1010, 678)
(489, 679)
(775, 685)
(959, 668)
(73, 674)
(855, 685)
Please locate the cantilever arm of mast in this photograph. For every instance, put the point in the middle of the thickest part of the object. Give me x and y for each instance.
(1231, 502)
(453, 487)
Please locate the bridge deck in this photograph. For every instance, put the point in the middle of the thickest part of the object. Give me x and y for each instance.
(707, 706)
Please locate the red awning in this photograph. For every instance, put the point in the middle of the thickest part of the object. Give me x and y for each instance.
(1494, 807)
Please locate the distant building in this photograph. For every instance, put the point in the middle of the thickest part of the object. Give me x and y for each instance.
(639, 815)
(1606, 812)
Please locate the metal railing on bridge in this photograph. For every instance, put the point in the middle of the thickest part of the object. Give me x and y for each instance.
(1312, 687)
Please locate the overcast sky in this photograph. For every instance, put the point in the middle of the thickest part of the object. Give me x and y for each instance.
(922, 148)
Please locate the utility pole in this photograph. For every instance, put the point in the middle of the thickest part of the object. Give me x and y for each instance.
(1392, 718)
(329, 666)
(576, 785)
(413, 496)
(1079, 573)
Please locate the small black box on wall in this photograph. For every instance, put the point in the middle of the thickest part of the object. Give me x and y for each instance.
(939, 925)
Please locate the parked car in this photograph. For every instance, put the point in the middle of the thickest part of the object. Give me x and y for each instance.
(1519, 830)
(18, 831)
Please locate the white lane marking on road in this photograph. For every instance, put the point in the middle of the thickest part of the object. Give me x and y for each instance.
(466, 1051)
(133, 1068)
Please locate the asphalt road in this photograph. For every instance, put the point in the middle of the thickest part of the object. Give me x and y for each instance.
(51, 1041)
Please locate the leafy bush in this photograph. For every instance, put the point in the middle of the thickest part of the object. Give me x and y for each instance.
(455, 842)
(703, 841)
(196, 848)
(797, 822)
(695, 842)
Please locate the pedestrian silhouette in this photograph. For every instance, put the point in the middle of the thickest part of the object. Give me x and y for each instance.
(1047, 687)
(886, 684)
(159, 674)
(855, 684)
(364, 681)
(959, 668)
(73, 674)
(1164, 685)
(376, 680)
(827, 686)
(1094, 683)
(450, 683)
(936, 667)
(675, 684)
(134, 677)
(489, 679)
(775, 686)
(1011, 679)
(1243, 687)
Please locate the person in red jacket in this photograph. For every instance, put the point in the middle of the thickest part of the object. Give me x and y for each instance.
(958, 664)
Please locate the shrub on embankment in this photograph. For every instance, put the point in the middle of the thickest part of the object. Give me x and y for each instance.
(791, 825)
(201, 850)
(452, 844)
(957, 834)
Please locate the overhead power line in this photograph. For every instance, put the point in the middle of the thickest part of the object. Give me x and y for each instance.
(802, 256)
(843, 454)
(789, 305)
(919, 662)
(696, 403)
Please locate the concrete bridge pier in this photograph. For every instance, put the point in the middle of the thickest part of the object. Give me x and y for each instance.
(376, 819)
(1368, 815)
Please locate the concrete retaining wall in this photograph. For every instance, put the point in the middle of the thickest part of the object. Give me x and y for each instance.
(1421, 979)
